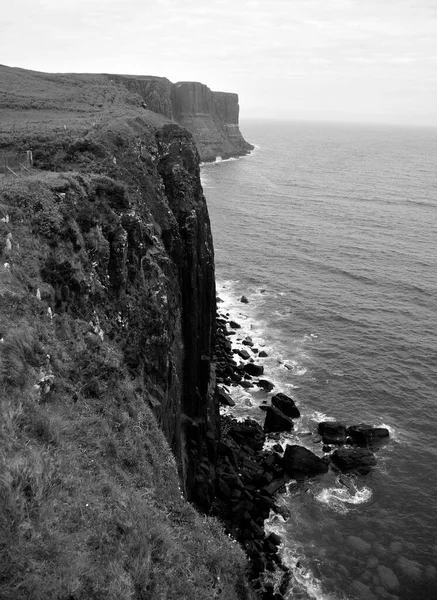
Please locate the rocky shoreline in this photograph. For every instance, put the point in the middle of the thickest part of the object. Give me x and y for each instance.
(250, 478)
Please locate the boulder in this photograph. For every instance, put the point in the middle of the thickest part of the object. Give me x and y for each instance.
(244, 300)
(368, 436)
(276, 420)
(247, 341)
(224, 397)
(332, 432)
(243, 353)
(299, 462)
(234, 325)
(263, 354)
(357, 460)
(267, 386)
(286, 405)
(253, 369)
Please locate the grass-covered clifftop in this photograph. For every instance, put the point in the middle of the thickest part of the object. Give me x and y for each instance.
(108, 418)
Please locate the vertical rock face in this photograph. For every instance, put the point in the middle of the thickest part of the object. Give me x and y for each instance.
(211, 117)
(179, 169)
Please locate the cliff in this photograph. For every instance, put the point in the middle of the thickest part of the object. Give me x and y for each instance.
(109, 413)
(211, 117)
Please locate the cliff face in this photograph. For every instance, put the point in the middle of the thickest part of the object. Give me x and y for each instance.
(107, 312)
(211, 117)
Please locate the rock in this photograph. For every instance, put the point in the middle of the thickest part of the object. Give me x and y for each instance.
(363, 591)
(274, 538)
(396, 547)
(249, 433)
(298, 461)
(267, 386)
(247, 341)
(224, 397)
(379, 550)
(275, 486)
(234, 325)
(286, 405)
(358, 544)
(253, 369)
(278, 448)
(326, 448)
(244, 300)
(410, 568)
(332, 432)
(243, 353)
(357, 460)
(388, 578)
(263, 354)
(276, 420)
(246, 384)
(368, 436)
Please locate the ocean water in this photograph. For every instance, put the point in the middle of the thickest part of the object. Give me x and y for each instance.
(330, 231)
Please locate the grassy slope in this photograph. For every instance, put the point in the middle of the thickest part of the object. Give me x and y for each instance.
(90, 505)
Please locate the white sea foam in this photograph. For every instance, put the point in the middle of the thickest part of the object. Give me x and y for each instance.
(319, 417)
(338, 498)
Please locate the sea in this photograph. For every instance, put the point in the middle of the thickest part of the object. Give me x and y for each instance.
(330, 232)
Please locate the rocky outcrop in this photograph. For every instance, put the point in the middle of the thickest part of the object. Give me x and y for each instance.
(211, 117)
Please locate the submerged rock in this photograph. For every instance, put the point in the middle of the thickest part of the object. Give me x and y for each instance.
(388, 578)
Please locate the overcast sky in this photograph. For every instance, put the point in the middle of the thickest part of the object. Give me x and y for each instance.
(362, 60)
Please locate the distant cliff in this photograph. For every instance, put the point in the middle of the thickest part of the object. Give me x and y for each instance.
(211, 117)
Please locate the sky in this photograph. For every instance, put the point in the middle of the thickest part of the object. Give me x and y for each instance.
(336, 60)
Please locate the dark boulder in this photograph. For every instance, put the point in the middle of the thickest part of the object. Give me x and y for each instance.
(253, 369)
(267, 386)
(244, 300)
(263, 354)
(244, 354)
(224, 397)
(332, 432)
(247, 341)
(357, 460)
(276, 420)
(368, 436)
(246, 384)
(286, 405)
(300, 462)
(234, 325)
